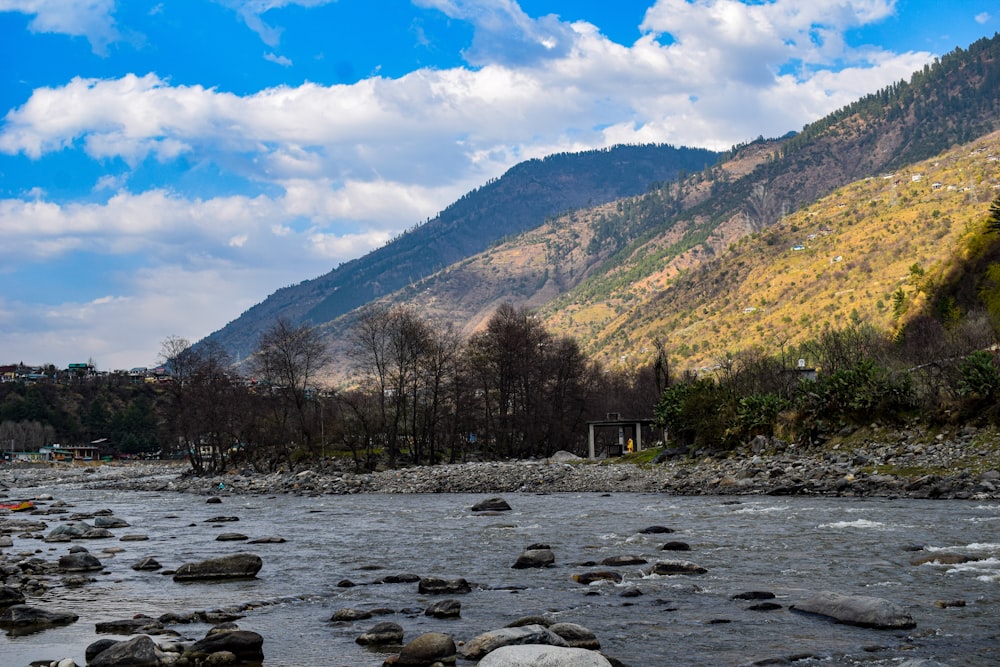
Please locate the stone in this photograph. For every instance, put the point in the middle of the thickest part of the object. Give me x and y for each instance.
(95, 648)
(139, 651)
(576, 636)
(97, 534)
(860, 610)
(236, 566)
(350, 615)
(427, 649)
(147, 563)
(130, 626)
(10, 596)
(671, 567)
(381, 634)
(444, 609)
(110, 522)
(532, 558)
(23, 619)
(674, 545)
(656, 530)
(231, 537)
(620, 561)
(436, 586)
(588, 578)
(492, 505)
(245, 645)
(481, 645)
(543, 656)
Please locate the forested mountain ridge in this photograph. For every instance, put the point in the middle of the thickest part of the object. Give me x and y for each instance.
(607, 275)
(520, 200)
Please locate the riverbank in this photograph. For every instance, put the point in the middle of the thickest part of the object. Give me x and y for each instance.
(963, 464)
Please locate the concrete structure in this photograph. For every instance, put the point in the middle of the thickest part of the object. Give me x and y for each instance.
(625, 430)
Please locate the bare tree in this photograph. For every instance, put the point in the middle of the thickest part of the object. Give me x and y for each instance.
(289, 361)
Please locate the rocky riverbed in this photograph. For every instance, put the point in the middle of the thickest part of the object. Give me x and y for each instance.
(962, 464)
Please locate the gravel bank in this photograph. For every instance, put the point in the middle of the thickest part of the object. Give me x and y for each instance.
(964, 465)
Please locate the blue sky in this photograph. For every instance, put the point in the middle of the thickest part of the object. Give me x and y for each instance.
(166, 165)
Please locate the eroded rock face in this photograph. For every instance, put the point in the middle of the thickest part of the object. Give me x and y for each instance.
(236, 566)
(860, 610)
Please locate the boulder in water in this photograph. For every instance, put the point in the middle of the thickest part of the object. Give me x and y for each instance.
(543, 656)
(236, 566)
(860, 610)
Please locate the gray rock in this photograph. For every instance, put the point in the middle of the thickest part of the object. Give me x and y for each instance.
(382, 634)
(10, 596)
(576, 636)
(97, 534)
(491, 505)
(148, 563)
(139, 651)
(110, 522)
(236, 566)
(620, 561)
(245, 645)
(23, 619)
(534, 558)
(130, 626)
(231, 537)
(427, 649)
(861, 610)
(350, 615)
(671, 567)
(436, 586)
(601, 575)
(444, 609)
(543, 656)
(479, 646)
(79, 562)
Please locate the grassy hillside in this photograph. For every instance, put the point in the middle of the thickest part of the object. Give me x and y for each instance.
(863, 253)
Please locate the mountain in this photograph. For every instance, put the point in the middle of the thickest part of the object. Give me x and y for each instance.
(520, 200)
(684, 260)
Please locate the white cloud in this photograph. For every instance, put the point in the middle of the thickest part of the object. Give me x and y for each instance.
(79, 18)
(983, 18)
(278, 60)
(251, 11)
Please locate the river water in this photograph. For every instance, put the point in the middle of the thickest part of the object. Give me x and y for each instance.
(790, 546)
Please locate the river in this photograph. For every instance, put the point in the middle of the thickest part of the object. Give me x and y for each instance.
(790, 546)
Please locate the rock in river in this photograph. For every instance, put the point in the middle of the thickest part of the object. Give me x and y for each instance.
(479, 646)
(236, 566)
(491, 505)
(536, 555)
(861, 610)
(543, 656)
(139, 651)
(23, 619)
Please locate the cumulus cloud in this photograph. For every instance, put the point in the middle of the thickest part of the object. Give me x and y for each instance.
(92, 19)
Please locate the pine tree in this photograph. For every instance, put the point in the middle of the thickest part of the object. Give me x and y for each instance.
(993, 221)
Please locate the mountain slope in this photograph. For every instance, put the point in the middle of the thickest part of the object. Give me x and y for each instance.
(519, 200)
